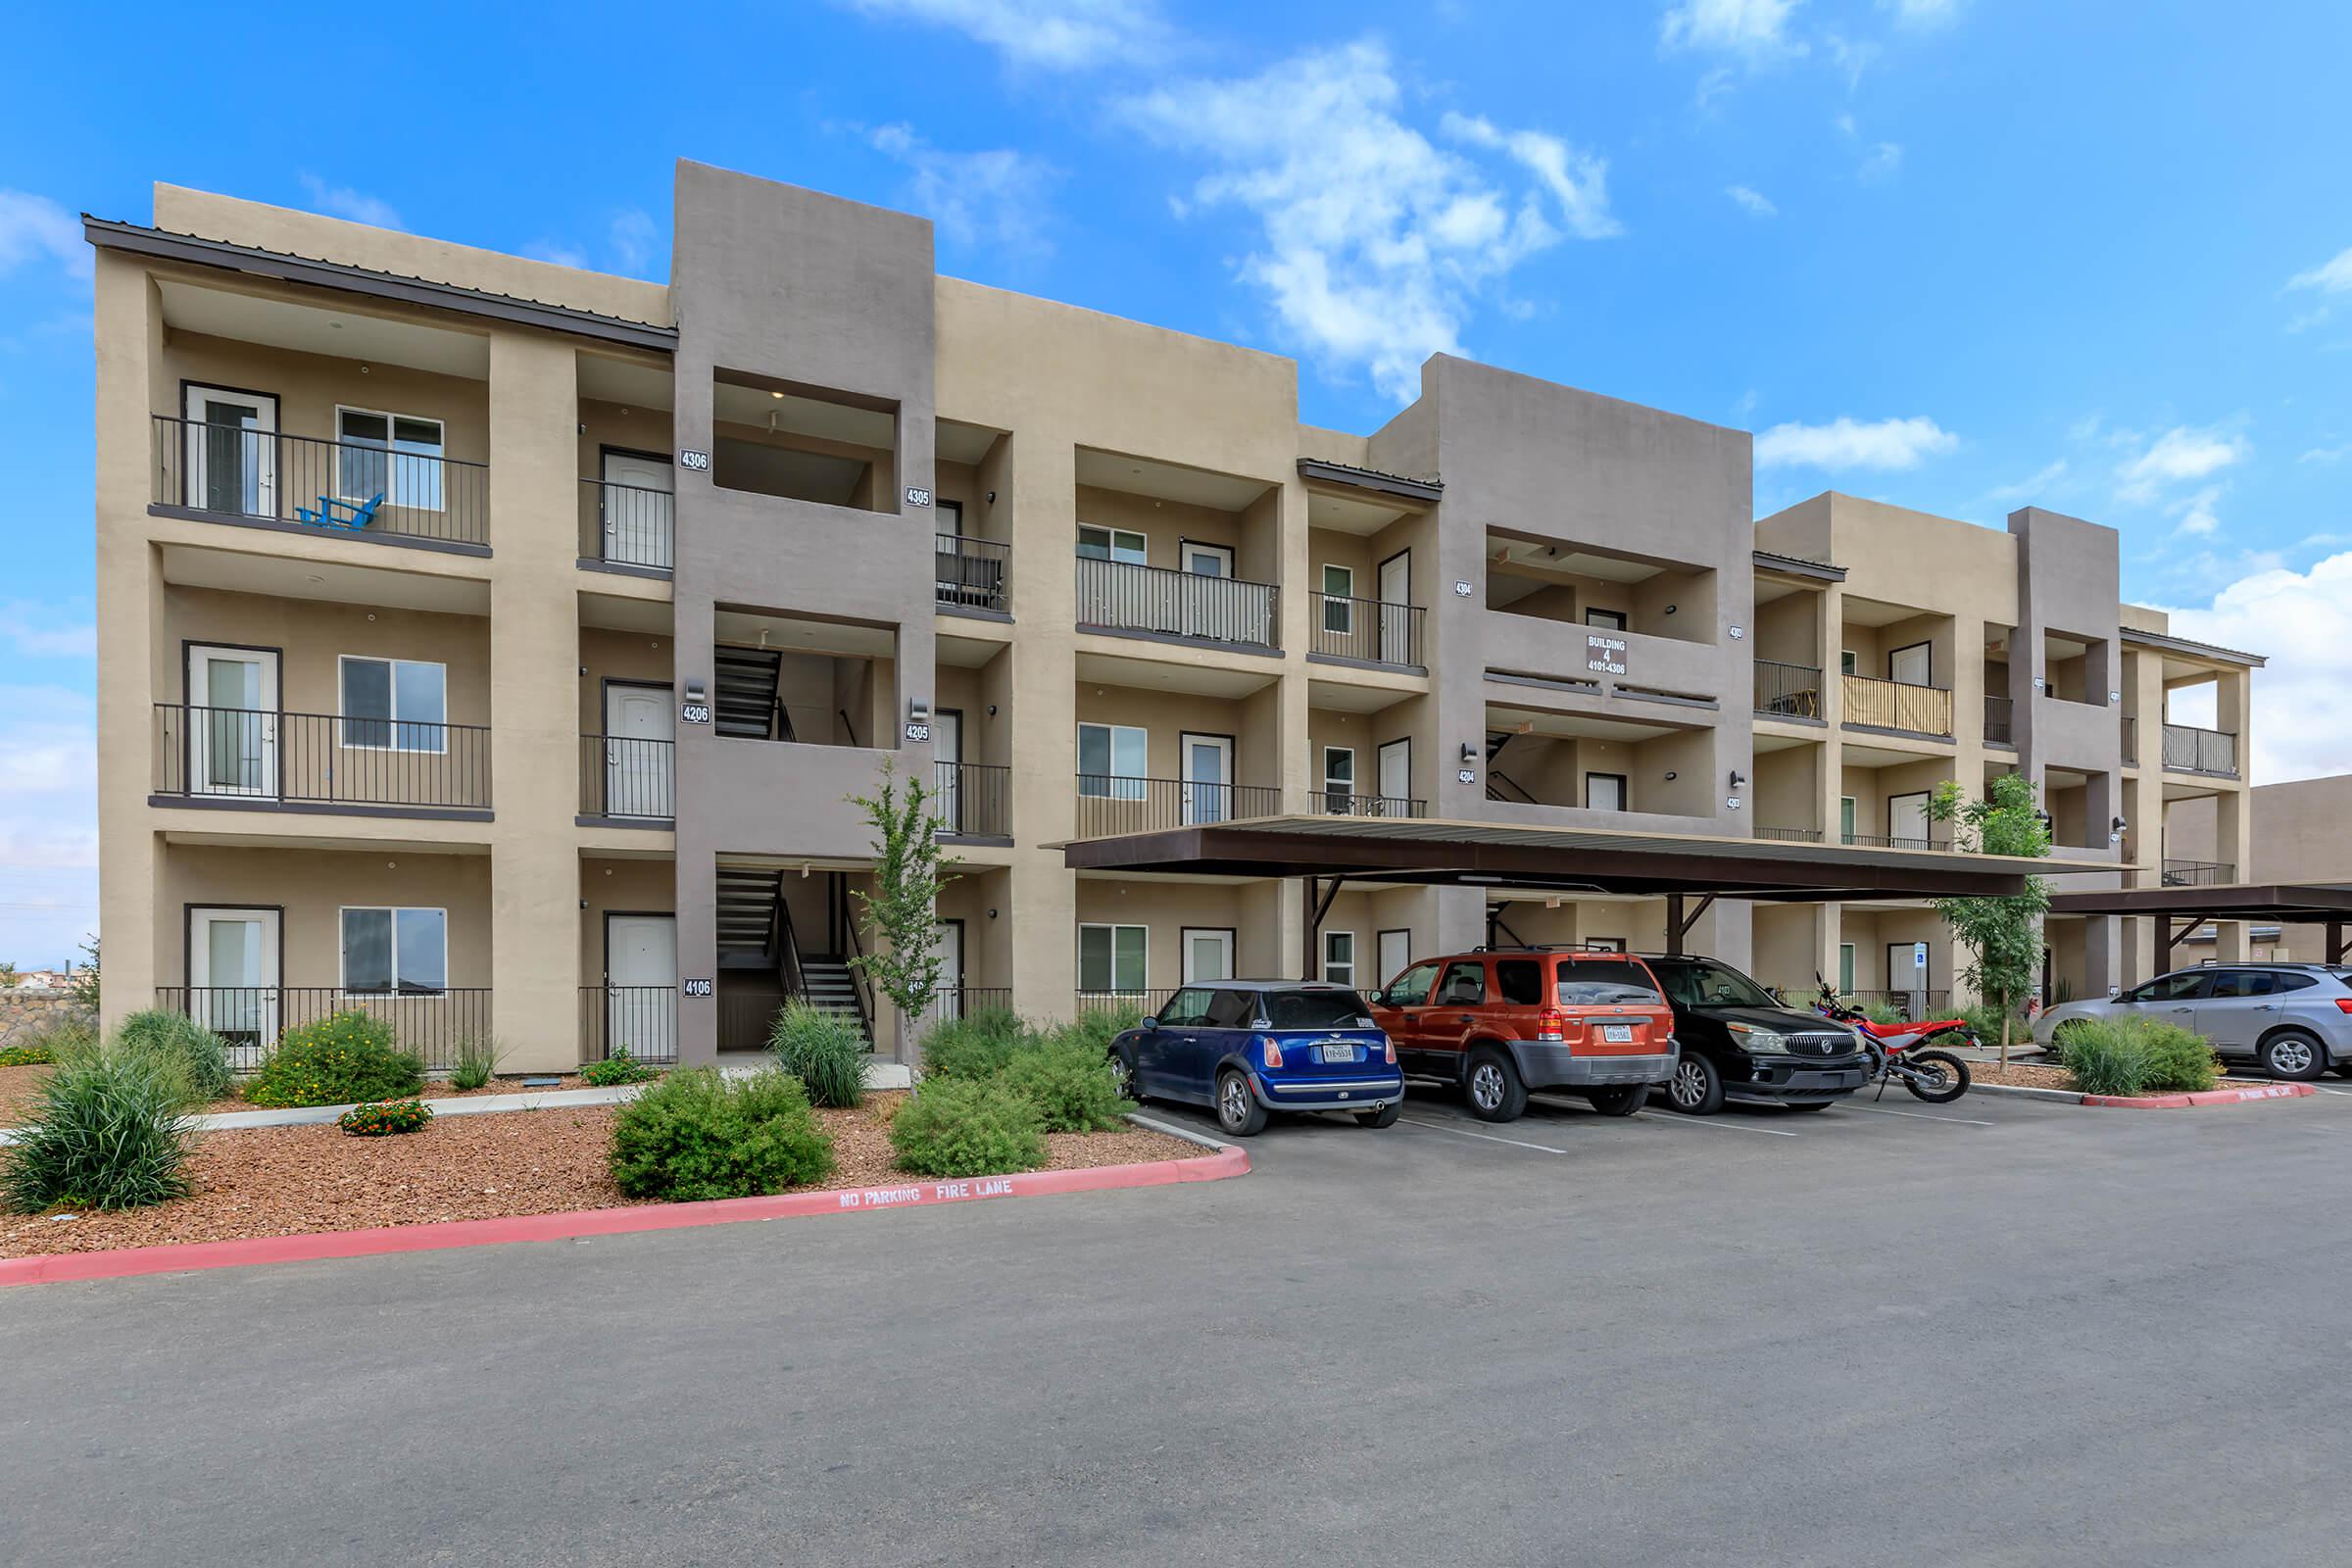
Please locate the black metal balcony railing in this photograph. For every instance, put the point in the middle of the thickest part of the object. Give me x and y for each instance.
(1339, 802)
(245, 753)
(1121, 596)
(2000, 726)
(230, 471)
(1791, 835)
(1142, 1003)
(431, 1023)
(2131, 740)
(963, 1002)
(1108, 804)
(627, 525)
(1371, 630)
(974, 573)
(629, 775)
(642, 1018)
(2199, 873)
(1788, 691)
(973, 799)
(2189, 750)
(1897, 705)
(1883, 841)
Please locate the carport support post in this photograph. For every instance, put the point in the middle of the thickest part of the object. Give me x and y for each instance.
(1310, 959)
(2335, 942)
(1673, 925)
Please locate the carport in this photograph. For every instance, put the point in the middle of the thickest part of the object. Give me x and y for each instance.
(2180, 910)
(1690, 871)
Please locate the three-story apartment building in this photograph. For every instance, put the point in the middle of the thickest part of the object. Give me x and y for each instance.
(500, 646)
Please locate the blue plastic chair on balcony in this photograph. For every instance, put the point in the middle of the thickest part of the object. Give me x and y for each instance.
(332, 514)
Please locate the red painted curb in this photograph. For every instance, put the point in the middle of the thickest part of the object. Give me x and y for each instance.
(55, 1267)
(2209, 1096)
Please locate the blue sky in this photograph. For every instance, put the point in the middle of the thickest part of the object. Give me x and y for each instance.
(1958, 254)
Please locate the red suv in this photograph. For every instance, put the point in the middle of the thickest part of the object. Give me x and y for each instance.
(1502, 1021)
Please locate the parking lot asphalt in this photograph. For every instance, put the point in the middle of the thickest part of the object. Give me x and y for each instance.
(1995, 1332)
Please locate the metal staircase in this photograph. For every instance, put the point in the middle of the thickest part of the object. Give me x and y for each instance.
(761, 953)
(747, 901)
(746, 705)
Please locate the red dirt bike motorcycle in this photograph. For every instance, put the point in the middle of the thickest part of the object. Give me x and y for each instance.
(1896, 1054)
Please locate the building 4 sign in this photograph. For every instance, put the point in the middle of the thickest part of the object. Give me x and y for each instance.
(1605, 654)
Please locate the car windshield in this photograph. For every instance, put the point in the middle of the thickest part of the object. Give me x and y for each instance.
(1705, 983)
(1316, 1010)
(1599, 982)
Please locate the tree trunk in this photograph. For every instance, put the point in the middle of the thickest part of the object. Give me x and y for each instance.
(2006, 1026)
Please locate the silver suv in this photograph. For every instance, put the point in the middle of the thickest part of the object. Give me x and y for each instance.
(2293, 1019)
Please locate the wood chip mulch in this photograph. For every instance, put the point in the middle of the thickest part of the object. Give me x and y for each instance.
(2027, 1075)
(292, 1181)
(20, 1092)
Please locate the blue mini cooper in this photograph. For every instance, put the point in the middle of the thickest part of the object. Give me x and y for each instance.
(1245, 1048)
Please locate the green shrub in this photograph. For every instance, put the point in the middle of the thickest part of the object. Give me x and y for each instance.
(1881, 1012)
(1095, 1027)
(384, 1119)
(199, 1055)
(1986, 1021)
(974, 1047)
(1068, 1081)
(2179, 1061)
(2104, 1056)
(108, 1134)
(696, 1135)
(349, 1057)
(958, 1127)
(38, 1054)
(823, 1050)
(619, 1068)
(476, 1064)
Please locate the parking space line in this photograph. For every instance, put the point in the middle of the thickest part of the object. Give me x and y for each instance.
(1464, 1132)
(1707, 1121)
(1919, 1115)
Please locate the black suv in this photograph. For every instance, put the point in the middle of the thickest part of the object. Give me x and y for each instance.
(1740, 1043)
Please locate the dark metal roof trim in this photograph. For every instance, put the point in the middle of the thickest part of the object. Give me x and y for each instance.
(1799, 566)
(2184, 644)
(110, 235)
(1393, 484)
(2304, 904)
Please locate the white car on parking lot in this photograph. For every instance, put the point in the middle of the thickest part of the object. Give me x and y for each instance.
(2293, 1020)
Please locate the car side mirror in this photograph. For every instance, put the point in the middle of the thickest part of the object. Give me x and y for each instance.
(1149, 1023)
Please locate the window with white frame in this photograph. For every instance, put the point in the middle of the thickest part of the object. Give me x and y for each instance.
(1339, 599)
(396, 455)
(1112, 761)
(1111, 960)
(1110, 544)
(394, 951)
(394, 704)
(1339, 779)
(1338, 958)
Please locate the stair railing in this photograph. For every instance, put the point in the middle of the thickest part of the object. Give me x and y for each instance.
(849, 948)
(787, 948)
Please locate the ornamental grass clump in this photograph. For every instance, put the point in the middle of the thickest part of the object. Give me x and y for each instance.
(108, 1133)
(2128, 1056)
(962, 1127)
(476, 1062)
(199, 1055)
(823, 1050)
(386, 1119)
(697, 1135)
(2179, 1061)
(350, 1056)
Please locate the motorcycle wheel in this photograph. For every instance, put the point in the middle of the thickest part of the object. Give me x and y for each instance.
(1937, 1076)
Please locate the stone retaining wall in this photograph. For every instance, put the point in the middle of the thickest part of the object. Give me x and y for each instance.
(29, 1015)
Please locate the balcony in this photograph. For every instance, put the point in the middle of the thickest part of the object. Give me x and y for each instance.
(1110, 804)
(643, 1021)
(2199, 873)
(974, 573)
(1789, 835)
(1367, 631)
(1339, 802)
(249, 758)
(630, 777)
(1788, 691)
(1897, 705)
(972, 800)
(352, 490)
(627, 525)
(1899, 841)
(2189, 750)
(1123, 596)
(435, 1024)
(2000, 725)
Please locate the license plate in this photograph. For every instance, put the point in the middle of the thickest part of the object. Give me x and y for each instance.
(1617, 1033)
(1335, 1055)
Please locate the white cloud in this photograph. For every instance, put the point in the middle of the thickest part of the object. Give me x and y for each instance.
(1753, 28)
(1924, 13)
(37, 631)
(548, 250)
(2196, 513)
(48, 820)
(1851, 59)
(1844, 443)
(2181, 455)
(2032, 485)
(35, 226)
(341, 201)
(634, 239)
(2327, 456)
(2302, 722)
(1881, 162)
(1755, 201)
(1056, 34)
(994, 199)
(2332, 277)
(1374, 243)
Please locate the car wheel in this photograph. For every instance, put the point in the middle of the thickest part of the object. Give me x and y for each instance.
(1385, 1116)
(1813, 1105)
(1492, 1087)
(1697, 1088)
(1123, 1078)
(1238, 1110)
(1619, 1099)
(2292, 1053)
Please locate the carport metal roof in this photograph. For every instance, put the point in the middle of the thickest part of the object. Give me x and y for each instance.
(2180, 910)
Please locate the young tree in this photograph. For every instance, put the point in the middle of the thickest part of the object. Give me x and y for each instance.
(901, 916)
(83, 986)
(2002, 934)
(8, 975)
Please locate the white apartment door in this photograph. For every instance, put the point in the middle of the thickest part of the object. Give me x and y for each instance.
(1913, 665)
(638, 771)
(640, 511)
(231, 444)
(231, 720)
(1395, 615)
(232, 978)
(1211, 611)
(1907, 821)
(1208, 955)
(947, 754)
(1207, 778)
(1396, 778)
(1907, 974)
(1395, 952)
(641, 984)
(950, 969)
